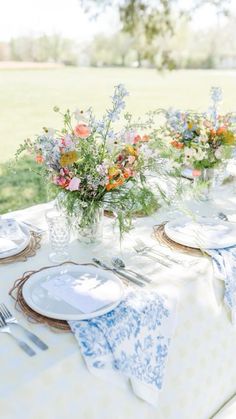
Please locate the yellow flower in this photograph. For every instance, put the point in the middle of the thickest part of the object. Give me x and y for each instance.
(68, 158)
(131, 150)
(229, 138)
(113, 171)
(190, 125)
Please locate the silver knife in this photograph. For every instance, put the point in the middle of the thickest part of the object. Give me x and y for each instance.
(119, 272)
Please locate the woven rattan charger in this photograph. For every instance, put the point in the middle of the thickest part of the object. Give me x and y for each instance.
(29, 251)
(162, 238)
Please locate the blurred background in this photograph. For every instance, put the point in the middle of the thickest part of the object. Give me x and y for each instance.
(71, 53)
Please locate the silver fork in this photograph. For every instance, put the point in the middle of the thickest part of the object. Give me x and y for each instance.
(146, 252)
(143, 247)
(23, 345)
(10, 319)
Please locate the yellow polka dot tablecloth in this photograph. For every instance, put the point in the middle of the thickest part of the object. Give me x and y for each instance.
(201, 370)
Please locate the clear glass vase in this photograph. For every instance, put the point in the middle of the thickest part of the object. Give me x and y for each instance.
(88, 224)
(205, 183)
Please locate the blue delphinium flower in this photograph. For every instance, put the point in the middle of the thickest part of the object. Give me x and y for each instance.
(216, 97)
(118, 103)
(216, 94)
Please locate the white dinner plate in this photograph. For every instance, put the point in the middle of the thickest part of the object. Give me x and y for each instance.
(21, 243)
(50, 304)
(202, 233)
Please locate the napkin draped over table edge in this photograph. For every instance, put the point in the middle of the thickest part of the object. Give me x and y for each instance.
(224, 265)
(131, 342)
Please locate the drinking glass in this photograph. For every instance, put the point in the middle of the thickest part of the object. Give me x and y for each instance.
(59, 235)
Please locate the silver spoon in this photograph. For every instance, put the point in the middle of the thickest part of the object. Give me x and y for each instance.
(119, 272)
(120, 264)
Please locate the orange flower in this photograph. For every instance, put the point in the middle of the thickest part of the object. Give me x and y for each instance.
(39, 159)
(145, 138)
(127, 173)
(177, 145)
(82, 131)
(114, 185)
(220, 130)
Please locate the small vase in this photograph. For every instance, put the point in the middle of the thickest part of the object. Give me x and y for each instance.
(204, 184)
(88, 224)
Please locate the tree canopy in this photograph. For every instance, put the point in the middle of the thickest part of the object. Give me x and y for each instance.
(151, 23)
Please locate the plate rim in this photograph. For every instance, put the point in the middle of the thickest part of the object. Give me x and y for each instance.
(71, 317)
(194, 246)
(15, 252)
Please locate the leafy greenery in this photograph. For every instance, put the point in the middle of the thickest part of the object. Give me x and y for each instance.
(21, 185)
(151, 23)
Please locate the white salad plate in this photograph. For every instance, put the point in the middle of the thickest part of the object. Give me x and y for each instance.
(73, 292)
(16, 233)
(202, 233)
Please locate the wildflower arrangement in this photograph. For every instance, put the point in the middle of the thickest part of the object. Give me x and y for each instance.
(91, 163)
(197, 140)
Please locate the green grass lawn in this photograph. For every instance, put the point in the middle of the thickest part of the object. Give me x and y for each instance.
(28, 96)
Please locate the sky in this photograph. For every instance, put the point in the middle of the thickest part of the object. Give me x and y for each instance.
(35, 17)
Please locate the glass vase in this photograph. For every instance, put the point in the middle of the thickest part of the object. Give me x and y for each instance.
(204, 184)
(88, 224)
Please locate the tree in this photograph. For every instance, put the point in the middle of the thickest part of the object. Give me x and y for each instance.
(45, 48)
(151, 23)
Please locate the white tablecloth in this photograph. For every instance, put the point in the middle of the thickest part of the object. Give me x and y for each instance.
(201, 370)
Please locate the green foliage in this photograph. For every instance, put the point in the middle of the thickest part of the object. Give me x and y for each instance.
(21, 185)
(45, 48)
(152, 24)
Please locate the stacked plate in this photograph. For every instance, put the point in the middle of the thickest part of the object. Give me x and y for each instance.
(72, 292)
(202, 233)
(14, 237)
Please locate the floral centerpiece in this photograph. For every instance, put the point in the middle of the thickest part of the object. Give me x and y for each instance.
(195, 145)
(90, 163)
(197, 140)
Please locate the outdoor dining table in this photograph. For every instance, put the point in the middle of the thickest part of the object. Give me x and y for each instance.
(201, 369)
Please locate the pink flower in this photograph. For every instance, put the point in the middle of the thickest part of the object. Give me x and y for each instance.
(137, 139)
(67, 142)
(60, 181)
(196, 173)
(82, 131)
(74, 184)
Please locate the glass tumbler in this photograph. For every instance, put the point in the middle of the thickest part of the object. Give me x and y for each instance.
(59, 235)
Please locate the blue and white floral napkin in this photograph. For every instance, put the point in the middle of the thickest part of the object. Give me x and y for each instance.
(224, 263)
(130, 342)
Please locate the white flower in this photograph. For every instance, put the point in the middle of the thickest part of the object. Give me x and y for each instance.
(81, 116)
(189, 152)
(200, 155)
(203, 138)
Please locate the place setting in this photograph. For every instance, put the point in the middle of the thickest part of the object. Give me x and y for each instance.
(18, 241)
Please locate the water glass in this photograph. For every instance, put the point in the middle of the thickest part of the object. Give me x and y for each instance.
(59, 235)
